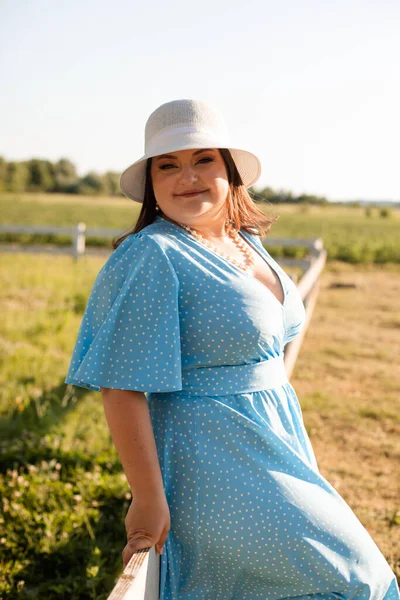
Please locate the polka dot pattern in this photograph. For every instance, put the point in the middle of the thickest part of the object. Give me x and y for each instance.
(129, 336)
(251, 515)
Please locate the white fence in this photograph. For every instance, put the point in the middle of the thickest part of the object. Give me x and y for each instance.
(80, 232)
(77, 232)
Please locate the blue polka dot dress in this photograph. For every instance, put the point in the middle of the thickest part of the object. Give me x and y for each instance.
(252, 518)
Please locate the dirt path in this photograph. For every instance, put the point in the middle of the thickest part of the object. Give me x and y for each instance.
(347, 378)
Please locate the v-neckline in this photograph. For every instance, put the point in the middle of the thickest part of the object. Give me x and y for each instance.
(266, 259)
(245, 273)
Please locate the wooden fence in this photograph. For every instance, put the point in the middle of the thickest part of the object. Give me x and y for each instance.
(140, 579)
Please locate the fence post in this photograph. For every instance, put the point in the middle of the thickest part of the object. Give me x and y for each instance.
(316, 249)
(78, 240)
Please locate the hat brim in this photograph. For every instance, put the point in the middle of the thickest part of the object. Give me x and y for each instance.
(132, 180)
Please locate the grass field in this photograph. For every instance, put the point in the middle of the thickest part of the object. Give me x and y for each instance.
(348, 234)
(64, 495)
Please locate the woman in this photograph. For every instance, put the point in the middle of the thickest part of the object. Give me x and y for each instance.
(184, 334)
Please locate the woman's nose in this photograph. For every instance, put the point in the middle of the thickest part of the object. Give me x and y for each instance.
(187, 173)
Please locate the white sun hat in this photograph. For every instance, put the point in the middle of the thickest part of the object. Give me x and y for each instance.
(184, 125)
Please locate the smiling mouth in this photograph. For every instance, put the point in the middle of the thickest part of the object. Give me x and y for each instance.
(190, 194)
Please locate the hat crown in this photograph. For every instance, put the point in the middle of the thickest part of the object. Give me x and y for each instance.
(184, 116)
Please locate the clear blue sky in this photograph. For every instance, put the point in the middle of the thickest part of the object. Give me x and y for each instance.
(312, 87)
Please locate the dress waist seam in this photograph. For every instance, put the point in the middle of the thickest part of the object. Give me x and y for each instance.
(234, 379)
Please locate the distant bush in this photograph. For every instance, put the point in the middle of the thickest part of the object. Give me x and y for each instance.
(385, 212)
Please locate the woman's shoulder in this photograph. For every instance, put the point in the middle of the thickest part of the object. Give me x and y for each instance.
(153, 236)
(149, 240)
(137, 256)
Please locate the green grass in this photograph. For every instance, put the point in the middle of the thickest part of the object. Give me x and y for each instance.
(348, 234)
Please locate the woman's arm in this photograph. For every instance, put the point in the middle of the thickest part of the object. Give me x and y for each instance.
(148, 520)
(128, 418)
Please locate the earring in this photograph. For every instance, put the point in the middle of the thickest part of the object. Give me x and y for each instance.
(157, 207)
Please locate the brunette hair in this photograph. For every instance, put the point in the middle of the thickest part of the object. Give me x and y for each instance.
(242, 210)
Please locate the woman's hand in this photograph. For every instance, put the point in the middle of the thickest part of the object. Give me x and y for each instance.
(147, 524)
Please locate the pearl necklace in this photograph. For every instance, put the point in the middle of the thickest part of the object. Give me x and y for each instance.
(232, 233)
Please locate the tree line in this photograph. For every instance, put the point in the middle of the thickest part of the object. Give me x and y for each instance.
(40, 175)
(277, 196)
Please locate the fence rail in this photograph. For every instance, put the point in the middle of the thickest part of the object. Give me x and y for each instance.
(80, 232)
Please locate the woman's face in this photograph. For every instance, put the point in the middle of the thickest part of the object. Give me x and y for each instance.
(190, 184)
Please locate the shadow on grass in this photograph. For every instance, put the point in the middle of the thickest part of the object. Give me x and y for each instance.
(82, 558)
(85, 568)
(41, 413)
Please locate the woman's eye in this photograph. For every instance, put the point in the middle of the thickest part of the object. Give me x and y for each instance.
(167, 166)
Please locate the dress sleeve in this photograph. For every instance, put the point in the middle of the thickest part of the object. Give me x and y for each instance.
(129, 336)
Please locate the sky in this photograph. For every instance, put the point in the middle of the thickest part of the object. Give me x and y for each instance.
(311, 87)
